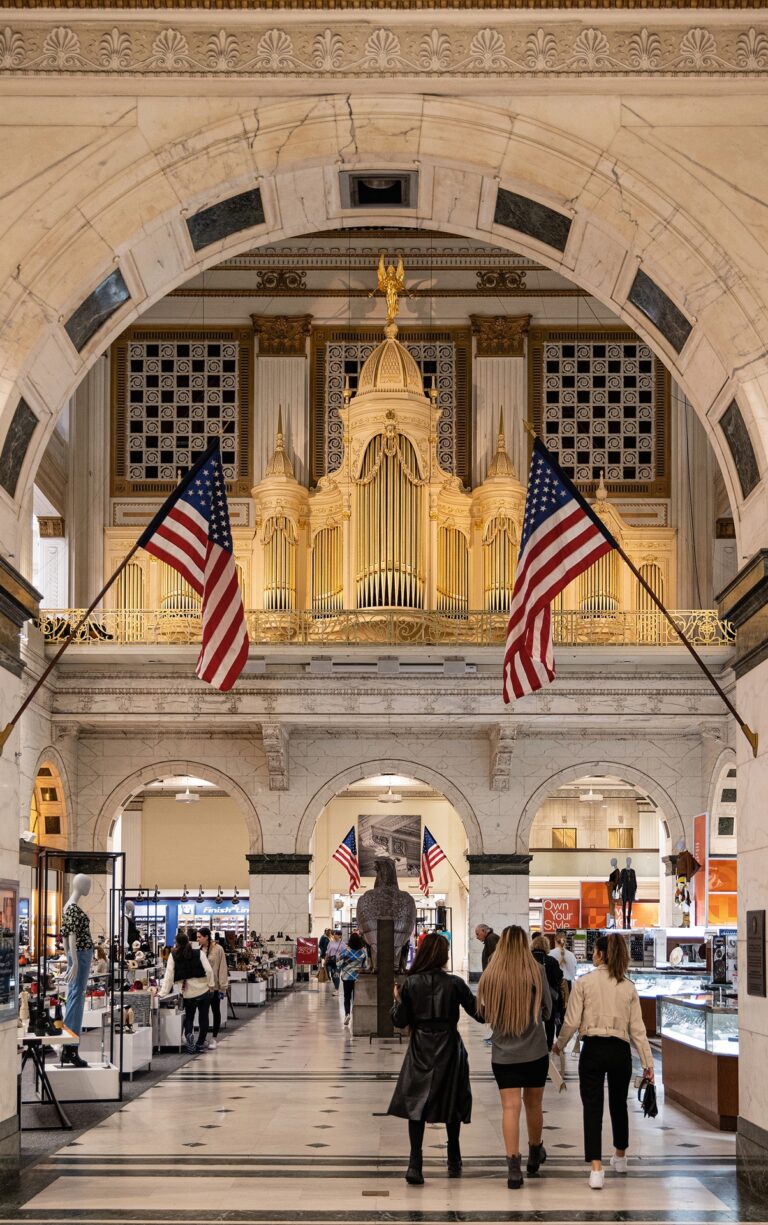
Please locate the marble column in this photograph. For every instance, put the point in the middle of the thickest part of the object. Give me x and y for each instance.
(498, 897)
(88, 484)
(692, 509)
(745, 603)
(279, 894)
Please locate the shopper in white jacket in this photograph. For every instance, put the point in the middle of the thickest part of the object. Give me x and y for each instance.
(189, 971)
(604, 1009)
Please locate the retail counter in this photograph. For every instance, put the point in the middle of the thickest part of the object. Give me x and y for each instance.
(700, 1049)
(652, 984)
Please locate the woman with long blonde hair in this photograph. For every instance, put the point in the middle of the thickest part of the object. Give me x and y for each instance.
(514, 998)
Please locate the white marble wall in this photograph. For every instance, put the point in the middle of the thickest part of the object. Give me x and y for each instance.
(280, 902)
(498, 901)
(281, 381)
(753, 892)
(692, 509)
(88, 484)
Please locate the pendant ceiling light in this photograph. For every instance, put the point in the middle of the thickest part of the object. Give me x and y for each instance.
(590, 797)
(392, 797)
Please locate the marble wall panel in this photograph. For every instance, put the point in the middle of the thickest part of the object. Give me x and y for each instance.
(15, 446)
(96, 309)
(657, 306)
(532, 218)
(240, 212)
(497, 901)
(740, 445)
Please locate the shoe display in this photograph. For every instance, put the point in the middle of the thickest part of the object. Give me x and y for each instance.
(537, 1155)
(71, 1059)
(514, 1173)
(596, 1179)
(619, 1165)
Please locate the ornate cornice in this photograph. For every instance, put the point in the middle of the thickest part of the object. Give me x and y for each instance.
(282, 335)
(384, 5)
(500, 335)
(148, 44)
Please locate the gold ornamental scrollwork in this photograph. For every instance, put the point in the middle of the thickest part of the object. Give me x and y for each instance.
(282, 335)
(500, 335)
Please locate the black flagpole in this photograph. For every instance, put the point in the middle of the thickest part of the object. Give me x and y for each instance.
(148, 531)
(750, 735)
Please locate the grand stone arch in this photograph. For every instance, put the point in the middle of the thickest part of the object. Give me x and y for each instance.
(355, 774)
(626, 206)
(147, 774)
(569, 775)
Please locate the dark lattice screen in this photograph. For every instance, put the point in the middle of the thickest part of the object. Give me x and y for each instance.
(600, 400)
(173, 391)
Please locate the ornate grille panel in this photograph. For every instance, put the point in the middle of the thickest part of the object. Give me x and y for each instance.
(444, 358)
(173, 391)
(600, 399)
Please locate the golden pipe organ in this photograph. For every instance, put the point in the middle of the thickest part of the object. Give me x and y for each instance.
(390, 529)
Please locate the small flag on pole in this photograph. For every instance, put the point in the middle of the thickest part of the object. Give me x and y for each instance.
(431, 855)
(346, 854)
(562, 537)
(191, 532)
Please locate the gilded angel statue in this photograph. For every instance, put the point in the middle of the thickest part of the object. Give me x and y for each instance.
(392, 284)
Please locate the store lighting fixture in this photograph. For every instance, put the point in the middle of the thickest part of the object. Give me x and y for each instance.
(235, 896)
(185, 894)
(156, 893)
(590, 797)
(187, 797)
(219, 896)
(200, 894)
(392, 797)
(141, 893)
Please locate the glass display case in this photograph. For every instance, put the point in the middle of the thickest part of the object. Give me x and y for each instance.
(700, 1022)
(653, 983)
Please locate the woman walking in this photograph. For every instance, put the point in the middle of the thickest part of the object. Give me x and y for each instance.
(433, 1086)
(218, 962)
(513, 997)
(333, 951)
(554, 976)
(605, 1009)
(189, 971)
(350, 962)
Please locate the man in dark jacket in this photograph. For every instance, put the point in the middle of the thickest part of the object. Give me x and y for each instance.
(488, 938)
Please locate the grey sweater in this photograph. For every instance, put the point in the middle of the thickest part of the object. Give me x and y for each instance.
(532, 1043)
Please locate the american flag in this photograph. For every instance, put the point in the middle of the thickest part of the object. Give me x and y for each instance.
(192, 534)
(346, 854)
(562, 537)
(431, 855)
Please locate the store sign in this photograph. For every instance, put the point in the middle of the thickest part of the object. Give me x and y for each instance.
(306, 951)
(560, 912)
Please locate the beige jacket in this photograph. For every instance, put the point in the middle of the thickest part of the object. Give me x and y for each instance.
(599, 1007)
(218, 960)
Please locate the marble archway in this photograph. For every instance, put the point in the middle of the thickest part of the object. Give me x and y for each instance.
(130, 212)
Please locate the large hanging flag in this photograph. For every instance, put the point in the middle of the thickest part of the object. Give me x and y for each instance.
(346, 854)
(562, 537)
(192, 534)
(431, 855)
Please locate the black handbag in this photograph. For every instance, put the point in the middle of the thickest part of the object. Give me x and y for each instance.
(646, 1096)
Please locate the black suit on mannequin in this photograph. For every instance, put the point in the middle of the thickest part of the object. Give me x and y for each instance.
(628, 894)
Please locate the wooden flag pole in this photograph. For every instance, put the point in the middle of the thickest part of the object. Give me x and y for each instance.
(6, 732)
(751, 736)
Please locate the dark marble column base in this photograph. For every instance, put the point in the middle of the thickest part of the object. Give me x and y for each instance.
(752, 1157)
(10, 1154)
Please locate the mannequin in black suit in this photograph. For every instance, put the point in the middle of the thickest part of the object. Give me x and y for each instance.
(628, 893)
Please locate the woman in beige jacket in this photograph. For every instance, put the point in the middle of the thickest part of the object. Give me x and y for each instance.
(218, 959)
(605, 1010)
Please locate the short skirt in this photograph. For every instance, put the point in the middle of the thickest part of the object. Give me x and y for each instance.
(531, 1075)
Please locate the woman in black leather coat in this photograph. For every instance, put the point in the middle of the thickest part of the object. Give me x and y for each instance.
(433, 1086)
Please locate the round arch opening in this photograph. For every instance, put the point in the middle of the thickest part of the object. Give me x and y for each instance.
(389, 814)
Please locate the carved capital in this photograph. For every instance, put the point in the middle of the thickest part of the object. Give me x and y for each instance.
(282, 335)
(502, 749)
(275, 738)
(500, 335)
(51, 527)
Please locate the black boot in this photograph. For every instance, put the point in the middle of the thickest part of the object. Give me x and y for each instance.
(413, 1174)
(454, 1159)
(71, 1059)
(537, 1155)
(514, 1173)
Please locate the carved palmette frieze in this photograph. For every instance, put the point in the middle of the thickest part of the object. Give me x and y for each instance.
(500, 335)
(275, 738)
(282, 335)
(502, 45)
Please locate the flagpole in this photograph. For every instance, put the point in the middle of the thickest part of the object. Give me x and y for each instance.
(6, 732)
(173, 497)
(750, 735)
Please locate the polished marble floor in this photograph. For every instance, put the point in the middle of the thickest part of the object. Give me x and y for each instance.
(298, 1106)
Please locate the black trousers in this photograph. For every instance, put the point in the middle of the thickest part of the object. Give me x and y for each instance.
(215, 1014)
(601, 1057)
(200, 1006)
(348, 987)
(416, 1136)
(330, 965)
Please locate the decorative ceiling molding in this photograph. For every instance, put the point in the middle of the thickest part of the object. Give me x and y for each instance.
(517, 47)
(191, 291)
(415, 5)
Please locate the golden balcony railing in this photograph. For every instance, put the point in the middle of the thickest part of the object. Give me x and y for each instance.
(386, 627)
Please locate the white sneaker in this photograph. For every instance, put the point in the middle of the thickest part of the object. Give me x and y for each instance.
(619, 1165)
(347, 1019)
(212, 1044)
(596, 1179)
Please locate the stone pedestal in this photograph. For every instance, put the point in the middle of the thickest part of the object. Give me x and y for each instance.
(498, 897)
(364, 1009)
(279, 894)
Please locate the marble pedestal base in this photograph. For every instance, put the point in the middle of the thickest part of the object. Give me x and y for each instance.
(364, 1006)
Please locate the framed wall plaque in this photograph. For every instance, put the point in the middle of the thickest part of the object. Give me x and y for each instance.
(756, 952)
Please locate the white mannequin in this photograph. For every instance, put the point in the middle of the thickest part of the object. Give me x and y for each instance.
(629, 861)
(81, 887)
